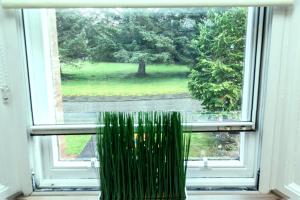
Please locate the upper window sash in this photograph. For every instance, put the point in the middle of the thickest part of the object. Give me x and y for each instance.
(38, 56)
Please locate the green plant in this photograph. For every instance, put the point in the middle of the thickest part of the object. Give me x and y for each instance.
(217, 78)
(146, 162)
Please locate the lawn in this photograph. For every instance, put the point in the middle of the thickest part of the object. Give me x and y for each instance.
(119, 79)
(201, 144)
(75, 144)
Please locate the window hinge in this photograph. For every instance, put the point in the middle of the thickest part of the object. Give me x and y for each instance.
(33, 181)
(257, 179)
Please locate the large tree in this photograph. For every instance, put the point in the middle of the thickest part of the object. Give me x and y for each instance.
(141, 36)
(143, 42)
(102, 35)
(217, 77)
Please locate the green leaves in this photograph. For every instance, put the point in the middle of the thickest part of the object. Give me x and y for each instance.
(217, 78)
(72, 38)
(146, 162)
(128, 35)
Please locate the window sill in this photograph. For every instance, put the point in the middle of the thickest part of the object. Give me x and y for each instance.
(203, 183)
(193, 196)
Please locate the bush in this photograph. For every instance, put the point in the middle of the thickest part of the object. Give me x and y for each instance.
(217, 78)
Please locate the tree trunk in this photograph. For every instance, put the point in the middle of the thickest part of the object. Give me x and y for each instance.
(142, 69)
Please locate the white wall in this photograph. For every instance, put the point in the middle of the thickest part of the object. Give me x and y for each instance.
(280, 164)
(14, 116)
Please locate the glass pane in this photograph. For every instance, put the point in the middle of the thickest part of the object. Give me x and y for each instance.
(214, 146)
(76, 147)
(156, 59)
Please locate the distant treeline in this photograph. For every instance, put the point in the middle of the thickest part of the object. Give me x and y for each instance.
(129, 35)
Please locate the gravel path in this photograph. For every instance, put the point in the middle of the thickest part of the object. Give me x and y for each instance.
(86, 111)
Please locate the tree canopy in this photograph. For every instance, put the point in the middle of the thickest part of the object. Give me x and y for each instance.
(217, 77)
(149, 36)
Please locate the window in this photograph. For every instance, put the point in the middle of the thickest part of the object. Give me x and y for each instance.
(202, 62)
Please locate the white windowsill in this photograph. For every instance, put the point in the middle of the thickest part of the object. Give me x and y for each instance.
(191, 182)
(192, 193)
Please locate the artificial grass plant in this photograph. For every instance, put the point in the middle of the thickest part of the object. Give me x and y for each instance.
(143, 162)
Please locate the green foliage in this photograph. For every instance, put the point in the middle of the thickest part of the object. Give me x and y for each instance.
(146, 163)
(214, 145)
(217, 77)
(226, 144)
(72, 40)
(149, 36)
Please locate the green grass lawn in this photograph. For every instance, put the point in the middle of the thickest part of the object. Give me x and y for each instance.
(75, 143)
(119, 79)
(201, 144)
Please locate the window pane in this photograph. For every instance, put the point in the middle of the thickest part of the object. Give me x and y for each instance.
(76, 147)
(156, 59)
(214, 146)
(72, 157)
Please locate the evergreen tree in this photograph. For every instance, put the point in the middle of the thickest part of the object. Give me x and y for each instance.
(142, 42)
(130, 35)
(72, 40)
(217, 77)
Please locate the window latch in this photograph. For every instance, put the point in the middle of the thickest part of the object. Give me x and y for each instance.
(204, 164)
(34, 181)
(94, 163)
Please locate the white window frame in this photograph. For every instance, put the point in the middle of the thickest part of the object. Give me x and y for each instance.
(54, 173)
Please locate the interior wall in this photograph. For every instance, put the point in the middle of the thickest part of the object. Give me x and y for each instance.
(280, 161)
(15, 115)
